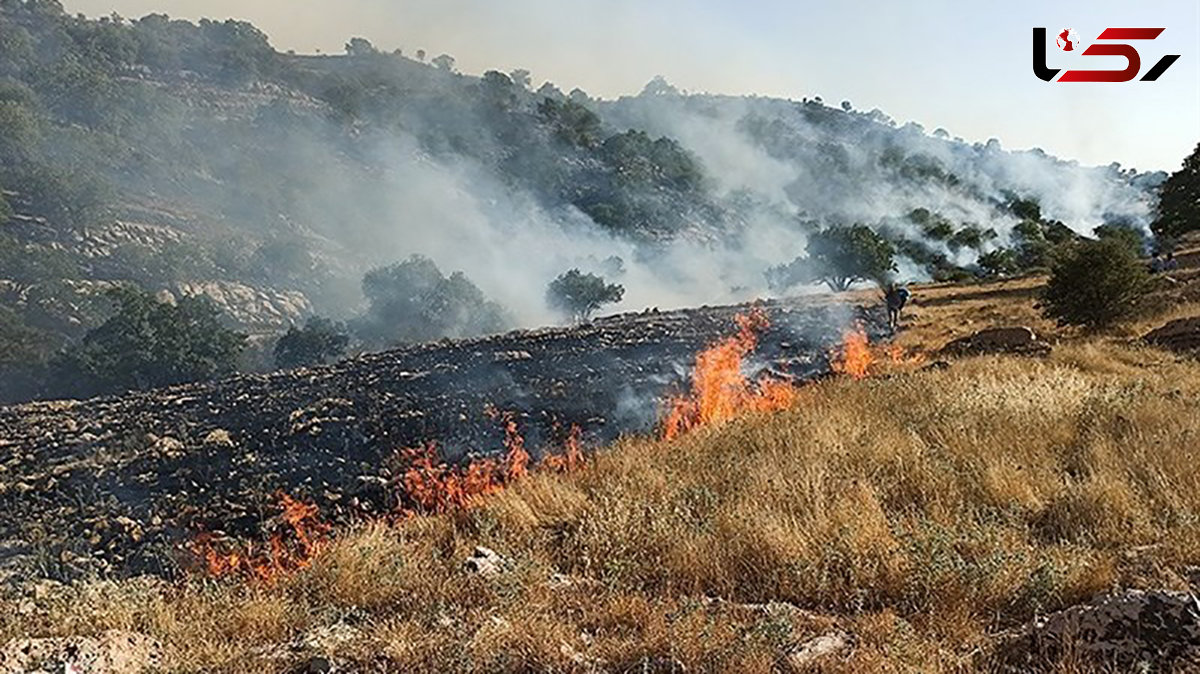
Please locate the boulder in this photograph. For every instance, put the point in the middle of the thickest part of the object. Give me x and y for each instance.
(1016, 340)
(486, 562)
(1158, 630)
(803, 656)
(1181, 335)
(113, 652)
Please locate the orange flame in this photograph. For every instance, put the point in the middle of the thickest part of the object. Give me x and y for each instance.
(431, 486)
(285, 552)
(719, 389)
(855, 357)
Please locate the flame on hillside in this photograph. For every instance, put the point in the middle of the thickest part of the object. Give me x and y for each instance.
(719, 390)
(286, 551)
(432, 486)
(856, 357)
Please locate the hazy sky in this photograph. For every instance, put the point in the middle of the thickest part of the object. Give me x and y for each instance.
(959, 65)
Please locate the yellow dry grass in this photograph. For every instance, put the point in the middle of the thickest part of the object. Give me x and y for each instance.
(920, 511)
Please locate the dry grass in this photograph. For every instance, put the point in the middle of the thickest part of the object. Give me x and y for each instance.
(919, 511)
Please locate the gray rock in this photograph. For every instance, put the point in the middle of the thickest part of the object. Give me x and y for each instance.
(1016, 340)
(1181, 335)
(486, 562)
(1129, 628)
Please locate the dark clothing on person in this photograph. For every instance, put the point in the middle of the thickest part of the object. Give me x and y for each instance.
(895, 297)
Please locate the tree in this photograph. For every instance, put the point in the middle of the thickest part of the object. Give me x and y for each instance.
(1127, 235)
(841, 256)
(148, 343)
(1094, 283)
(421, 55)
(521, 77)
(358, 46)
(581, 295)
(412, 301)
(1179, 203)
(5, 210)
(320, 341)
(999, 262)
(444, 62)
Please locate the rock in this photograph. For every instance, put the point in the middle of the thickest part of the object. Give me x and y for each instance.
(218, 437)
(1129, 628)
(1016, 340)
(803, 656)
(114, 652)
(1181, 335)
(486, 562)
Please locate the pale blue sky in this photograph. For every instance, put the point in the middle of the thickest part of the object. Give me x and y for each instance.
(960, 65)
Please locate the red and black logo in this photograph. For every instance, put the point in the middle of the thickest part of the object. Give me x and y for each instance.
(1068, 41)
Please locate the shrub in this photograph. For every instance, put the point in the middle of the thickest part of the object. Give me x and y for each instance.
(1094, 283)
(148, 343)
(320, 341)
(580, 295)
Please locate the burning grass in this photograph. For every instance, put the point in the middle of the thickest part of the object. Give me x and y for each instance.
(919, 512)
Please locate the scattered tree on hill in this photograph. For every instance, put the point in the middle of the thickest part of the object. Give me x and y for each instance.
(1127, 235)
(443, 62)
(1094, 283)
(1179, 204)
(842, 256)
(148, 343)
(412, 301)
(320, 341)
(580, 295)
(999, 262)
(359, 46)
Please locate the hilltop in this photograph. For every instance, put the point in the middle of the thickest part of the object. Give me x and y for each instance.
(195, 159)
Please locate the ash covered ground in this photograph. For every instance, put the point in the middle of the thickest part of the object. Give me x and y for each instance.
(117, 486)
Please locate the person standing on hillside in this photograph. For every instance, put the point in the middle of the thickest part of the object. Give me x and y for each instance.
(895, 296)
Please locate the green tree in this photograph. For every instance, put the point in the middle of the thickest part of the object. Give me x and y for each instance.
(841, 256)
(412, 301)
(999, 262)
(443, 62)
(360, 46)
(320, 341)
(148, 343)
(581, 295)
(1094, 284)
(1126, 235)
(1179, 203)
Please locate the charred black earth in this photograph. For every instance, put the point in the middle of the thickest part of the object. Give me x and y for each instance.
(115, 486)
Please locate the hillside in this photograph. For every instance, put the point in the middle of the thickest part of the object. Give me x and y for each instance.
(194, 159)
(915, 520)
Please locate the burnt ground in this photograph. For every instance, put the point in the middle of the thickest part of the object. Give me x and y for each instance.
(114, 486)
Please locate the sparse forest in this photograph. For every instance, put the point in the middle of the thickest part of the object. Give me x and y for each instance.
(195, 158)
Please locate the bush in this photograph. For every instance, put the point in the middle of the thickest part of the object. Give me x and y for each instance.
(412, 301)
(999, 262)
(1094, 283)
(840, 256)
(148, 344)
(581, 295)
(320, 341)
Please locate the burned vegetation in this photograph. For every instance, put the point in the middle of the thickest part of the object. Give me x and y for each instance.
(159, 481)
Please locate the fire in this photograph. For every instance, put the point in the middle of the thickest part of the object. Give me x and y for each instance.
(285, 552)
(855, 358)
(719, 389)
(571, 458)
(431, 486)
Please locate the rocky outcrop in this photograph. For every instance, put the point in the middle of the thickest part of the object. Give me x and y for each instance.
(253, 308)
(1181, 336)
(1132, 630)
(113, 652)
(1011, 340)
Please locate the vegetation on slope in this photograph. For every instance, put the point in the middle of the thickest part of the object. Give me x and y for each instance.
(922, 512)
